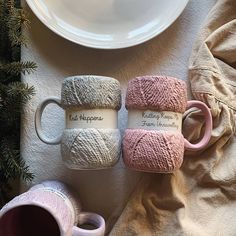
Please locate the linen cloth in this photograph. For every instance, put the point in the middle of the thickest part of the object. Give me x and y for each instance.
(200, 198)
(105, 191)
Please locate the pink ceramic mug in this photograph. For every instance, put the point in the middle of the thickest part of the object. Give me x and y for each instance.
(153, 140)
(49, 208)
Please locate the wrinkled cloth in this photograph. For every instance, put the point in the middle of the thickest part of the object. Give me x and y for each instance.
(200, 198)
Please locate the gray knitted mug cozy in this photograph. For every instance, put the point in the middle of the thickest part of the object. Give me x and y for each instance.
(91, 139)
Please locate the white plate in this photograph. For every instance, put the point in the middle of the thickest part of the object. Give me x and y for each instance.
(107, 24)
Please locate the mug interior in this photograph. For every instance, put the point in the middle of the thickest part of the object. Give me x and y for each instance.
(28, 220)
(88, 226)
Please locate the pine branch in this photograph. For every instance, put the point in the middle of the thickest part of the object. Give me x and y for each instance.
(13, 165)
(1, 9)
(13, 95)
(23, 90)
(16, 19)
(4, 40)
(10, 5)
(20, 91)
(17, 67)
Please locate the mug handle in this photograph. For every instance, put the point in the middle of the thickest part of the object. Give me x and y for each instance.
(90, 218)
(208, 127)
(38, 118)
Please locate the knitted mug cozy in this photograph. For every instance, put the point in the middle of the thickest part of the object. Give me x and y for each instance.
(153, 141)
(91, 139)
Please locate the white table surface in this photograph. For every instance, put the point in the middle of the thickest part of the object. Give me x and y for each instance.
(103, 191)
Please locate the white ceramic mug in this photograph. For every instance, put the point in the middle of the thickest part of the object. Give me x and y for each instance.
(91, 138)
(49, 208)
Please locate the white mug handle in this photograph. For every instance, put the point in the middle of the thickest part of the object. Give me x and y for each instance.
(90, 218)
(38, 123)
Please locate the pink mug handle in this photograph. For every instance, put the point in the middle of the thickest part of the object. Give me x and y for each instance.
(92, 218)
(208, 127)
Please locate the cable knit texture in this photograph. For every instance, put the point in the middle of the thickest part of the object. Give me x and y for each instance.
(160, 151)
(90, 148)
(90, 91)
(151, 150)
(160, 93)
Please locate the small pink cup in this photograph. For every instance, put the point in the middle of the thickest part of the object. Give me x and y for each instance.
(48, 209)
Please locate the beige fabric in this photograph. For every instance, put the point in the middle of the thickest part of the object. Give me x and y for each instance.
(199, 199)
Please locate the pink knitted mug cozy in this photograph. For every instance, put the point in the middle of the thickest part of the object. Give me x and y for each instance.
(153, 141)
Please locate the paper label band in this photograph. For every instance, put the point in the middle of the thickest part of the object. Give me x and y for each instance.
(155, 120)
(91, 118)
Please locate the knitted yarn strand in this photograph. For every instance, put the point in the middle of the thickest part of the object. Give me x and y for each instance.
(158, 93)
(90, 148)
(90, 91)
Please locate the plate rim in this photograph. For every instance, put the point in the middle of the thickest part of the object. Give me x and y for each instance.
(108, 46)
